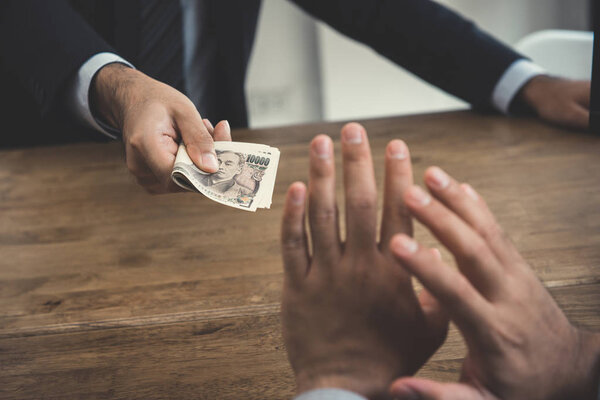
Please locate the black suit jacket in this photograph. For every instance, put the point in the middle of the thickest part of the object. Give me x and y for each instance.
(43, 43)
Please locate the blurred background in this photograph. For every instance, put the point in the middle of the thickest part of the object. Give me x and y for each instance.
(301, 70)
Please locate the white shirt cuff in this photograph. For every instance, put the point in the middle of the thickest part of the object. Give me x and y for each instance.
(79, 99)
(329, 394)
(518, 74)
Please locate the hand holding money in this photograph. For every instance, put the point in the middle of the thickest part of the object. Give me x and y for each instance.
(244, 180)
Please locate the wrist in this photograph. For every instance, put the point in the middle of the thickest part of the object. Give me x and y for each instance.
(532, 95)
(111, 93)
(363, 382)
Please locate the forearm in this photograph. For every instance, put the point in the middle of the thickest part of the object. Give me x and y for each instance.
(426, 38)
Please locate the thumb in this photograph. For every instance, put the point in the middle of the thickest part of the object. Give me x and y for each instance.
(197, 139)
(424, 389)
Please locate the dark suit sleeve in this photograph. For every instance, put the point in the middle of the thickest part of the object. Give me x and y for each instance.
(424, 37)
(43, 43)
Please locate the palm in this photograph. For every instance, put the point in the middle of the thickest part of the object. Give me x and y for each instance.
(349, 310)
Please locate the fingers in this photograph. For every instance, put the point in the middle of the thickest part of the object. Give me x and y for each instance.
(222, 132)
(398, 178)
(209, 126)
(468, 205)
(150, 149)
(570, 115)
(146, 167)
(196, 137)
(574, 109)
(322, 208)
(294, 246)
(475, 259)
(359, 187)
(424, 389)
(437, 319)
(160, 152)
(461, 300)
(577, 116)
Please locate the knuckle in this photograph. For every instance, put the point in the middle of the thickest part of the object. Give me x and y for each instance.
(398, 216)
(403, 213)
(200, 139)
(357, 155)
(475, 251)
(292, 242)
(492, 233)
(183, 105)
(132, 166)
(509, 334)
(362, 202)
(135, 142)
(321, 172)
(324, 215)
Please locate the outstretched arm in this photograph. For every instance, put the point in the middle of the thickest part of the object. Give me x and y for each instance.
(452, 53)
(427, 39)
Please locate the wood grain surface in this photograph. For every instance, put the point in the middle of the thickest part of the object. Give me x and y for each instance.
(108, 292)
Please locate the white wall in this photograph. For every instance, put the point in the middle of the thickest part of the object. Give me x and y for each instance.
(283, 85)
(301, 72)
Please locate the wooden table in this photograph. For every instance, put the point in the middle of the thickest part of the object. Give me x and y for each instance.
(107, 292)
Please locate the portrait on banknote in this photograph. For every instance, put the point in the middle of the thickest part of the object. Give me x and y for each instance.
(233, 179)
(238, 178)
(244, 179)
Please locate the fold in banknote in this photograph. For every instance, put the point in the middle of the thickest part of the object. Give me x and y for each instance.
(245, 179)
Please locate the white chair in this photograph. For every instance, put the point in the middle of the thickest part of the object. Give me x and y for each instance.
(560, 52)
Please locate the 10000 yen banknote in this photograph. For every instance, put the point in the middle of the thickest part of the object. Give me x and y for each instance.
(245, 178)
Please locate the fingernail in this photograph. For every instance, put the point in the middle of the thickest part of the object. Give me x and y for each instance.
(438, 178)
(398, 150)
(227, 125)
(207, 122)
(323, 148)
(209, 160)
(470, 191)
(352, 134)
(405, 245)
(297, 195)
(419, 196)
(437, 253)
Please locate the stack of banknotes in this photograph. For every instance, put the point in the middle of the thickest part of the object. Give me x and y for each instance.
(245, 178)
